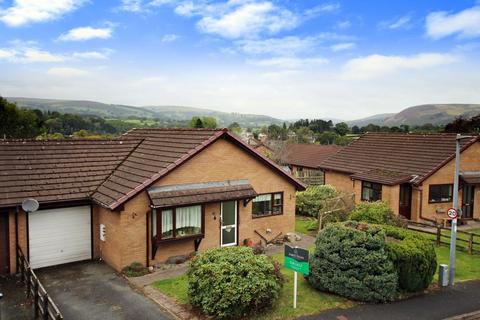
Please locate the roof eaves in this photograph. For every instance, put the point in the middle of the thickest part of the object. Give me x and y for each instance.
(169, 168)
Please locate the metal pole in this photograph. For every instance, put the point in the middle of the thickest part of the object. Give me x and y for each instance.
(453, 240)
(295, 290)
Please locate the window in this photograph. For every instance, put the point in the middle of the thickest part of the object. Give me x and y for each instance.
(179, 222)
(371, 191)
(267, 204)
(440, 193)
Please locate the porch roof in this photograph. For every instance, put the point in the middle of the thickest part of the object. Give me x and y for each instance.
(471, 177)
(195, 193)
(383, 176)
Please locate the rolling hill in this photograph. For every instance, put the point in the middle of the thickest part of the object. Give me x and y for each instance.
(436, 114)
(118, 111)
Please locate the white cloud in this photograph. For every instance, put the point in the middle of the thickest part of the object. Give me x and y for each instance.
(321, 9)
(465, 24)
(343, 24)
(342, 46)
(398, 23)
(169, 38)
(6, 54)
(29, 11)
(249, 20)
(280, 46)
(379, 65)
(86, 33)
(96, 55)
(66, 72)
(35, 55)
(288, 63)
(132, 5)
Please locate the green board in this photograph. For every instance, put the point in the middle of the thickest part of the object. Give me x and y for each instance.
(297, 259)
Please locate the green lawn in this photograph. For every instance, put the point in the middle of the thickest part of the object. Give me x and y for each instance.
(302, 224)
(311, 301)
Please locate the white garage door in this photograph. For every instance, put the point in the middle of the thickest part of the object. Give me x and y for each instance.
(59, 236)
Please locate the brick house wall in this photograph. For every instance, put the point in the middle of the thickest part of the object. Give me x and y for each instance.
(341, 181)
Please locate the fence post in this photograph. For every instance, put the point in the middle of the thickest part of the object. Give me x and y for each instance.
(470, 244)
(45, 307)
(35, 299)
(439, 235)
(29, 283)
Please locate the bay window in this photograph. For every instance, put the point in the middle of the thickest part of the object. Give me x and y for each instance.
(371, 191)
(178, 222)
(267, 204)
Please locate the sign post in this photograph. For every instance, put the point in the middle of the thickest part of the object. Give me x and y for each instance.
(297, 260)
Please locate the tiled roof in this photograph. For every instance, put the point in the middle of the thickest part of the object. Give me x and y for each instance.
(166, 196)
(382, 176)
(407, 155)
(52, 171)
(161, 151)
(308, 155)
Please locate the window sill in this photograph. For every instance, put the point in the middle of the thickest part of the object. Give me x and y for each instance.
(435, 202)
(192, 237)
(266, 215)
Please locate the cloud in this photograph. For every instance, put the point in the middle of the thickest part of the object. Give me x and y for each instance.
(342, 46)
(86, 33)
(247, 20)
(30, 11)
(379, 65)
(66, 72)
(31, 55)
(279, 46)
(96, 55)
(343, 24)
(169, 38)
(131, 5)
(288, 63)
(398, 23)
(465, 24)
(6, 54)
(322, 9)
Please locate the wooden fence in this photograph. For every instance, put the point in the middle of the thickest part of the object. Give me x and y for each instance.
(467, 241)
(43, 306)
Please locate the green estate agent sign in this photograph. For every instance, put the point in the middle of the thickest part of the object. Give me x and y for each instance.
(297, 259)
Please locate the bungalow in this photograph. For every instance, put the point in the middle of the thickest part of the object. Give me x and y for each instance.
(151, 195)
(303, 160)
(412, 172)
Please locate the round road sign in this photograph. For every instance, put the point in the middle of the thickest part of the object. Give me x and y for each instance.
(452, 213)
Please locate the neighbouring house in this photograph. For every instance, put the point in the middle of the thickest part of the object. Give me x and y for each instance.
(303, 160)
(414, 173)
(260, 146)
(148, 196)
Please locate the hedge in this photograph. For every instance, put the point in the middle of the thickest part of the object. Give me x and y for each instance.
(377, 212)
(351, 260)
(233, 282)
(413, 256)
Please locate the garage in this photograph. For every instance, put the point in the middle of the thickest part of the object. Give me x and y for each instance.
(58, 236)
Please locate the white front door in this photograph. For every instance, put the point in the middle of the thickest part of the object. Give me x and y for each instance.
(58, 236)
(228, 232)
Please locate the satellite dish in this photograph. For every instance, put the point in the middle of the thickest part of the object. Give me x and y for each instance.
(30, 205)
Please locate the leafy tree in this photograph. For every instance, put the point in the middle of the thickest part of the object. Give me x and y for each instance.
(341, 128)
(195, 122)
(303, 135)
(16, 122)
(274, 132)
(463, 125)
(235, 128)
(209, 122)
(327, 137)
(356, 130)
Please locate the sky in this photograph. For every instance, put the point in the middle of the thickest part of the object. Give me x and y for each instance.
(287, 59)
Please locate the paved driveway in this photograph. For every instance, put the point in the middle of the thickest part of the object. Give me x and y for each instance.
(92, 290)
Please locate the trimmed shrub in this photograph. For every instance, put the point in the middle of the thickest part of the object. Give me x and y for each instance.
(233, 282)
(351, 260)
(413, 256)
(377, 212)
(135, 269)
(311, 201)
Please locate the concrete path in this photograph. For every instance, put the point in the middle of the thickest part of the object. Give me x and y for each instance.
(92, 290)
(169, 273)
(463, 298)
(14, 305)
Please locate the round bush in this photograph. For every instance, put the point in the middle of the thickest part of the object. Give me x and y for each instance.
(377, 212)
(233, 282)
(413, 256)
(351, 260)
(311, 201)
